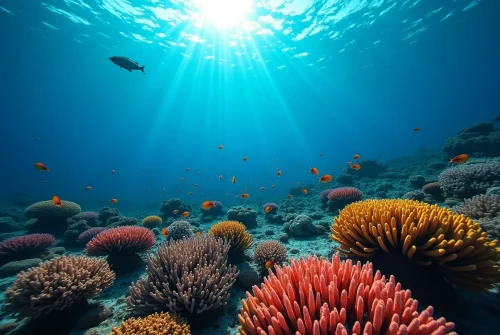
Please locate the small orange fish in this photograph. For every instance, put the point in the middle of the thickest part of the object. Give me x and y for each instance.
(221, 147)
(164, 232)
(273, 186)
(314, 171)
(176, 211)
(220, 177)
(268, 209)
(460, 159)
(290, 196)
(279, 173)
(355, 157)
(88, 188)
(185, 215)
(269, 263)
(304, 191)
(113, 201)
(208, 204)
(245, 195)
(198, 233)
(262, 188)
(189, 193)
(245, 158)
(326, 179)
(416, 129)
(187, 169)
(41, 167)
(112, 171)
(56, 201)
(355, 167)
(233, 180)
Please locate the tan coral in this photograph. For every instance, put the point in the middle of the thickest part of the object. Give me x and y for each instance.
(155, 324)
(424, 233)
(152, 221)
(235, 232)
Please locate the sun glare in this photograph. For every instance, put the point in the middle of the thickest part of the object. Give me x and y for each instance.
(224, 13)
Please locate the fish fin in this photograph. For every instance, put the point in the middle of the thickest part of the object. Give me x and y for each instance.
(142, 69)
(129, 70)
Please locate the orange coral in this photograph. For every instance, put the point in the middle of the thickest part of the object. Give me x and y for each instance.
(425, 233)
(152, 221)
(235, 232)
(155, 324)
(318, 297)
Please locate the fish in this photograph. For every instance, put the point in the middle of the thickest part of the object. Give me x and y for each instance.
(221, 147)
(290, 196)
(195, 185)
(355, 157)
(175, 211)
(304, 191)
(320, 155)
(164, 232)
(198, 233)
(164, 189)
(355, 167)
(268, 209)
(314, 171)
(189, 193)
(198, 172)
(126, 63)
(460, 159)
(56, 201)
(416, 129)
(262, 188)
(185, 214)
(220, 177)
(245, 195)
(208, 204)
(269, 263)
(113, 171)
(187, 169)
(113, 201)
(41, 167)
(273, 186)
(279, 173)
(245, 158)
(88, 188)
(233, 180)
(326, 179)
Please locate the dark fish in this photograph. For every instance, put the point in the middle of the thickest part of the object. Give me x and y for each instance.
(126, 63)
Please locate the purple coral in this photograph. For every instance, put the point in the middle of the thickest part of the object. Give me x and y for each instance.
(345, 195)
(90, 234)
(466, 181)
(22, 247)
(90, 217)
(480, 206)
(323, 196)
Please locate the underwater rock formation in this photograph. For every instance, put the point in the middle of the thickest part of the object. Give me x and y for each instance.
(468, 180)
(169, 206)
(369, 168)
(245, 215)
(480, 139)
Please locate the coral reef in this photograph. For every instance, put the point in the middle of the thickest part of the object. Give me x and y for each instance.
(51, 218)
(89, 234)
(426, 234)
(106, 213)
(120, 221)
(169, 206)
(245, 215)
(237, 235)
(480, 139)
(92, 218)
(152, 221)
(189, 276)
(23, 247)
(480, 206)
(216, 211)
(154, 324)
(179, 230)
(315, 296)
(468, 180)
(121, 246)
(369, 168)
(302, 226)
(269, 250)
(339, 197)
(274, 208)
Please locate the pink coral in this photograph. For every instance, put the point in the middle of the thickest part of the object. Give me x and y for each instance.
(26, 244)
(130, 239)
(318, 297)
(323, 196)
(345, 194)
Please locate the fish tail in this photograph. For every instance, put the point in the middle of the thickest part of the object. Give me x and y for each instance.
(142, 69)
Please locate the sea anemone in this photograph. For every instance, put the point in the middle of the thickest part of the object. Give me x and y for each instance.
(237, 234)
(427, 234)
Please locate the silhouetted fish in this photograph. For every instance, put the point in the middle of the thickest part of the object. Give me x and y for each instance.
(126, 63)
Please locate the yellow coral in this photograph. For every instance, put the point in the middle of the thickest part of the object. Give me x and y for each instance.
(152, 221)
(155, 324)
(235, 232)
(425, 233)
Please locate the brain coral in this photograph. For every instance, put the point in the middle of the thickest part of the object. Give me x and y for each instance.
(424, 233)
(155, 324)
(57, 285)
(47, 210)
(269, 251)
(152, 221)
(315, 296)
(188, 275)
(466, 181)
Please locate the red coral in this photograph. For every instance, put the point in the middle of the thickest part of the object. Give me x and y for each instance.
(345, 194)
(316, 297)
(26, 244)
(130, 239)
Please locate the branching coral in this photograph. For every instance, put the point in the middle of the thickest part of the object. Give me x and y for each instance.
(189, 275)
(424, 233)
(56, 285)
(315, 296)
(155, 324)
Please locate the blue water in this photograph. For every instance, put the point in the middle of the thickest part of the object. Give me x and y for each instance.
(279, 83)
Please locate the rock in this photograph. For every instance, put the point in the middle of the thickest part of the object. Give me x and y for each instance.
(302, 226)
(93, 317)
(13, 268)
(6, 328)
(245, 215)
(248, 276)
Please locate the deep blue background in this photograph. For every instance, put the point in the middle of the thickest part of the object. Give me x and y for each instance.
(92, 117)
